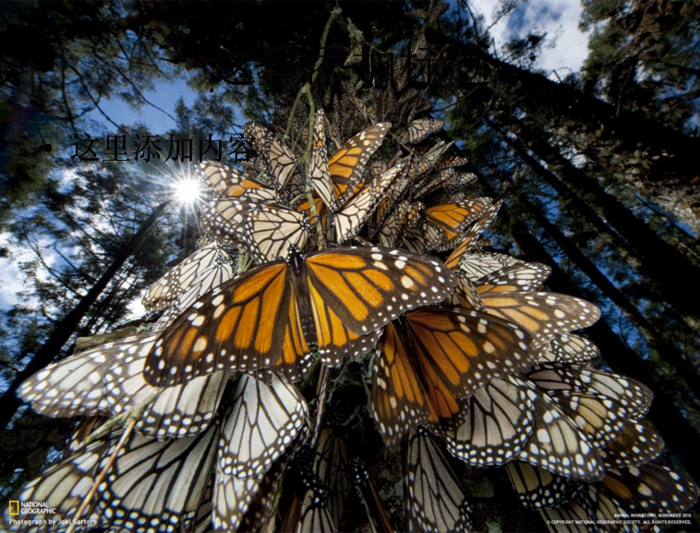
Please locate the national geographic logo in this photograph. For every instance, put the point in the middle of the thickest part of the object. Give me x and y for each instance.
(14, 508)
(17, 508)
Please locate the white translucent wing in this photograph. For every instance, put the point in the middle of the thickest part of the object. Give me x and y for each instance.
(209, 279)
(434, 499)
(264, 419)
(200, 265)
(108, 380)
(157, 485)
(354, 213)
(318, 169)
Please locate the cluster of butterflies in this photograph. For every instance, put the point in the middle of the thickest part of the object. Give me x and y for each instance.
(472, 362)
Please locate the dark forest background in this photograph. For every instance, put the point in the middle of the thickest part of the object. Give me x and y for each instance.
(598, 170)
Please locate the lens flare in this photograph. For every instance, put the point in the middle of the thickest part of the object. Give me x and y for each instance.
(186, 191)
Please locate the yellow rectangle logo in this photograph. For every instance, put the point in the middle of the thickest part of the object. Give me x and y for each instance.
(14, 507)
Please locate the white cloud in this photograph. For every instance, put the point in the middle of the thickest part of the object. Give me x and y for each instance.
(559, 18)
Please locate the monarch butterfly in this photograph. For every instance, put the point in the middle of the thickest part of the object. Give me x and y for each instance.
(271, 231)
(475, 266)
(268, 231)
(281, 163)
(493, 424)
(274, 315)
(521, 276)
(206, 268)
(457, 257)
(263, 422)
(557, 444)
(173, 474)
(109, 380)
(307, 512)
(435, 500)
(395, 225)
(447, 178)
(347, 164)
(424, 164)
(319, 172)
(352, 214)
(420, 129)
(650, 488)
(433, 357)
(261, 507)
(567, 348)
(447, 185)
(634, 445)
(338, 183)
(600, 418)
(454, 218)
(542, 314)
(537, 488)
(227, 182)
(631, 394)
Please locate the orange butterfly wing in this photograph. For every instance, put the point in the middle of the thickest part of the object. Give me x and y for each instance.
(236, 327)
(348, 163)
(399, 398)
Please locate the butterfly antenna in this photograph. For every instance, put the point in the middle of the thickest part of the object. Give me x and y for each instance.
(102, 475)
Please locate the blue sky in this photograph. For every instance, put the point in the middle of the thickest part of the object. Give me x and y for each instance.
(566, 46)
(164, 96)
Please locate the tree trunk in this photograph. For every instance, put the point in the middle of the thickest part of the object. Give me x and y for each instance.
(658, 161)
(670, 270)
(685, 371)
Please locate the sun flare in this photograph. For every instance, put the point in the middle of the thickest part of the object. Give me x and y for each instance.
(186, 191)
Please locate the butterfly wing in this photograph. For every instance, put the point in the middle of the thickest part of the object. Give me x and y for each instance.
(263, 421)
(435, 500)
(354, 212)
(454, 218)
(169, 476)
(210, 262)
(650, 488)
(521, 276)
(567, 348)
(472, 234)
(542, 314)
(241, 325)
(399, 398)
(537, 488)
(280, 161)
(367, 287)
(496, 422)
(634, 445)
(272, 232)
(461, 351)
(557, 444)
(631, 394)
(420, 129)
(228, 182)
(348, 163)
(319, 172)
(109, 380)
